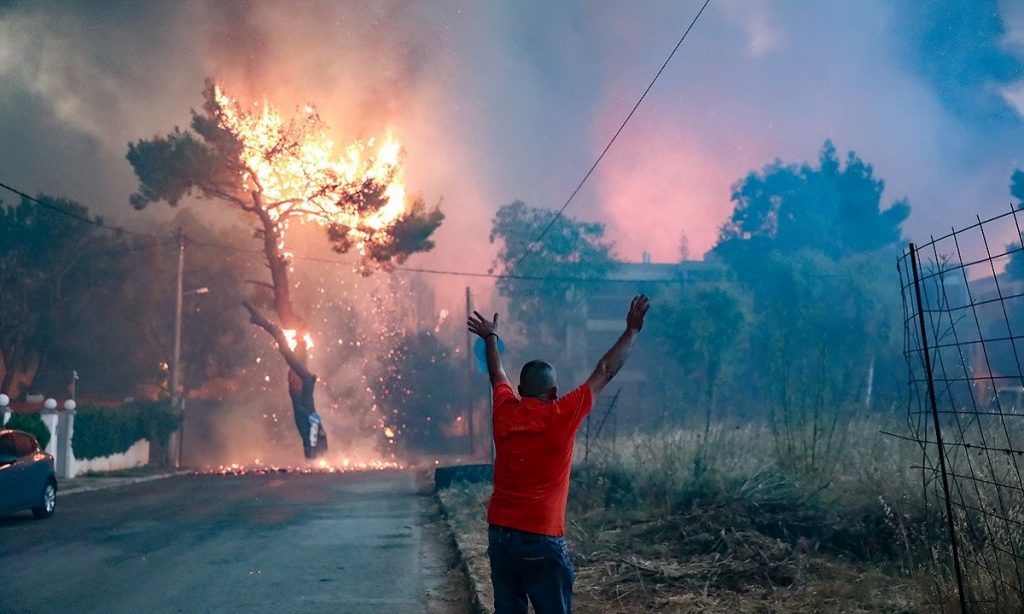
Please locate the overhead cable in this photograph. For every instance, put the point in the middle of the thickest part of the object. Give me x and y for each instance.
(215, 245)
(532, 246)
(74, 215)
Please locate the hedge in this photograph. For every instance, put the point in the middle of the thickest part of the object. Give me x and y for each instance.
(32, 424)
(101, 431)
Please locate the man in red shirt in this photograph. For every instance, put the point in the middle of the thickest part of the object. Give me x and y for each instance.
(533, 442)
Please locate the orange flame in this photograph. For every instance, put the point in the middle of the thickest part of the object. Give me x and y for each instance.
(293, 165)
(292, 337)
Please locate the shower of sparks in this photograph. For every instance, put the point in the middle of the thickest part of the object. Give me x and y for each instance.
(343, 466)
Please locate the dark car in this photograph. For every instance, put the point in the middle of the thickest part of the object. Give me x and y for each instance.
(27, 479)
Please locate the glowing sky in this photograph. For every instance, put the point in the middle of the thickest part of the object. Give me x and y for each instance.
(499, 101)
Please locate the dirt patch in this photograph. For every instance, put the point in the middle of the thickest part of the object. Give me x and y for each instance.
(694, 561)
(446, 586)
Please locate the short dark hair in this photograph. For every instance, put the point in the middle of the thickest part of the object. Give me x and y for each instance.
(536, 378)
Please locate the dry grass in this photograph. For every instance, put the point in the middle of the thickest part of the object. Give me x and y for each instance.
(671, 522)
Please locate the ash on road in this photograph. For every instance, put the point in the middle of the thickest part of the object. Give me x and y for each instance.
(357, 542)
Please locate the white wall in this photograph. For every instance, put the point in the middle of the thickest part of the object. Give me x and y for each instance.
(135, 456)
(68, 466)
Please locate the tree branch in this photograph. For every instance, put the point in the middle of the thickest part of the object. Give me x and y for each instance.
(257, 318)
(256, 282)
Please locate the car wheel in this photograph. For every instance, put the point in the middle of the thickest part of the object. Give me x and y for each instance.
(48, 502)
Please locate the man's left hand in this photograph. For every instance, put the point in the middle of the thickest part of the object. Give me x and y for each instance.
(637, 310)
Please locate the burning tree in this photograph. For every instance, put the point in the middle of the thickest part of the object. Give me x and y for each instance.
(279, 171)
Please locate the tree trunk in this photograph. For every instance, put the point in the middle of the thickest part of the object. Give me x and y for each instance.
(301, 381)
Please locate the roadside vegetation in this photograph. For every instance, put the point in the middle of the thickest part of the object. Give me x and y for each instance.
(754, 475)
(691, 520)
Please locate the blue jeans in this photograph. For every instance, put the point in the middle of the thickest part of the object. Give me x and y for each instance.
(529, 566)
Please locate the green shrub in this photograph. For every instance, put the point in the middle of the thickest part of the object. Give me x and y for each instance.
(101, 431)
(156, 419)
(32, 424)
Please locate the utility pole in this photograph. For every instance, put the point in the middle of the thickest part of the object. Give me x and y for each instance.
(176, 359)
(469, 374)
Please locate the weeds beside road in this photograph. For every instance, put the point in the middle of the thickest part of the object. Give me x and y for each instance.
(674, 522)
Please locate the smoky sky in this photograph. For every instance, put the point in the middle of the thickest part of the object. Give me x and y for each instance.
(502, 101)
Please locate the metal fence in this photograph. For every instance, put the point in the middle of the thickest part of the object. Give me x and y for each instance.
(963, 307)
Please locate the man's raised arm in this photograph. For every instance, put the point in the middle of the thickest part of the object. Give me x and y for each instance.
(487, 330)
(612, 361)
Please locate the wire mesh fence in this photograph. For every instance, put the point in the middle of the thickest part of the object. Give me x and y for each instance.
(963, 309)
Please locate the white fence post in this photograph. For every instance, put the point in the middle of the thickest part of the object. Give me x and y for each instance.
(65, 461)
(49, 418)
(5, 410)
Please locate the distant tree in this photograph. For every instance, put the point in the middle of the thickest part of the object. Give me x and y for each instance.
(814, 248)
(277, 172)
(1015, 267)
(214, 338)
(545, 287)
(833, 209)
(699, 332)
(50, 263)
(415, 404)
(80, 298)
(684, 248)
(1007, 361)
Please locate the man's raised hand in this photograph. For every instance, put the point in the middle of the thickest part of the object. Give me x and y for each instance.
(481, 326)
(637, 310)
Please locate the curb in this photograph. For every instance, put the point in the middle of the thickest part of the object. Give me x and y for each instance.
(119, 482)
(477, 604)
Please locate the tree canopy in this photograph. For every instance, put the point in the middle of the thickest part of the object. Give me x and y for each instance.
(1015, 267)
(280, 170)
(835, 209)
(545, 279)
(805, 326)
(78, 297)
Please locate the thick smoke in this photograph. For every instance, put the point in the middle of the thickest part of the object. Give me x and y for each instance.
(501, 102)
(497, 102)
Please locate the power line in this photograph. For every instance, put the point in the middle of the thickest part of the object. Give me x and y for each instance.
(530, 248)
(76, 216)
(215, 245)
(427, 271)
(552, 278)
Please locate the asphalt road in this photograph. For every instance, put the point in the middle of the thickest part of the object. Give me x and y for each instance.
(358, 542)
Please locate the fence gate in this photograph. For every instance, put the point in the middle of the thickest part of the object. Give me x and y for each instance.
(963, 310)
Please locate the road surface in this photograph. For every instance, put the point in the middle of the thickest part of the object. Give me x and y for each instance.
(352, 543)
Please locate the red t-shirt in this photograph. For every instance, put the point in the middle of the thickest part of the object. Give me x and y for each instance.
(533, 443)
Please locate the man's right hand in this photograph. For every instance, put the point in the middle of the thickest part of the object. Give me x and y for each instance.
(637, 310)
(481, 326)
(485, 328)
